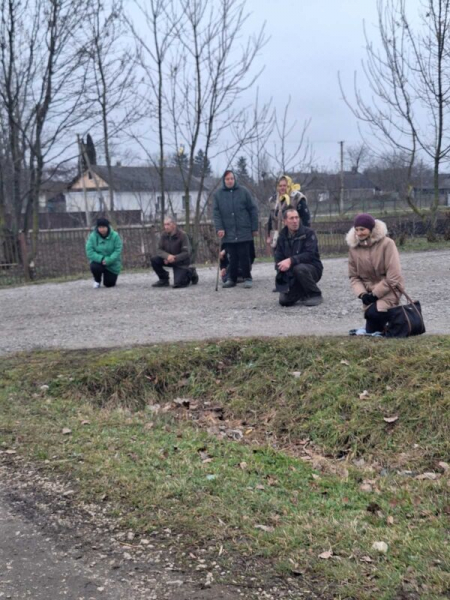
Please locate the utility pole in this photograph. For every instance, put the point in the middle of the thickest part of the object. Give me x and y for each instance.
(341, 194)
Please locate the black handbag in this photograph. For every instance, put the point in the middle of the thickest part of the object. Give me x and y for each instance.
(404, 320)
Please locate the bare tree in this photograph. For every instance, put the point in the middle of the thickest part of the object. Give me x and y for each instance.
(42, 80)
(112, 73)
(358, 155)
(153, 48)
(300, 156)
(208, 82)
(410, 85)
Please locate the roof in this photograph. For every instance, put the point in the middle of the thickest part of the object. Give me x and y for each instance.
(143, 179)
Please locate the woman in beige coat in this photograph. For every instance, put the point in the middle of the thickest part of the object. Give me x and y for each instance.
(374, 270)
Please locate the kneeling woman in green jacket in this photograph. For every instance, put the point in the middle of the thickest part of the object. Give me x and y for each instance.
(104, 252)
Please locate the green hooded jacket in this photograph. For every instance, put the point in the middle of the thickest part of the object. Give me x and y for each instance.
(107, 248)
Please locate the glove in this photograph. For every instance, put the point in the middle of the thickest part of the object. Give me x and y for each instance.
(368, 299)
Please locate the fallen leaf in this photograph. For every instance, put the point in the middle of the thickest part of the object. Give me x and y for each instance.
(345, 362)
(265, 528)
(66, 431)
(185, 402)
(85, 422)
(366, 487)
(296, 374)
(248, 431)
(390, 520)
(444, 466)
(390, 419)
(260, 487)
(364, 394)
(381, 547)
(366, 559)
(326, 555)
(427, 476)
(243, 465)
(10, 451)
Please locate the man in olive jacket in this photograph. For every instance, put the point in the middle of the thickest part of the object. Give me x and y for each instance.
(174, 251)
(236, 222)
(298, 263)
(104, 252)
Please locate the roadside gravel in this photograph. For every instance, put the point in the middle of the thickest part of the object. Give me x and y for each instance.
(74, 315)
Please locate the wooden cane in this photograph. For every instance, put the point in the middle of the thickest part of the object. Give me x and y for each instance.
(218, 271)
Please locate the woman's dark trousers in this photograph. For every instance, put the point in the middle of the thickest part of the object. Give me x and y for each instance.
(97, 270)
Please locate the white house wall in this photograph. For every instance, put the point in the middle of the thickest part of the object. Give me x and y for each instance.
(144, 201)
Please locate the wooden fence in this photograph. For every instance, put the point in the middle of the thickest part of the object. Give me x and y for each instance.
(61, 253)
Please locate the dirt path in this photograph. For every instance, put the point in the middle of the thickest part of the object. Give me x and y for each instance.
(51, 548)
(73, 315)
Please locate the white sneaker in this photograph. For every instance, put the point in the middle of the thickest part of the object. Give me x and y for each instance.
(96, 285)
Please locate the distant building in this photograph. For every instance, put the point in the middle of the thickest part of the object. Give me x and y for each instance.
(135, 188)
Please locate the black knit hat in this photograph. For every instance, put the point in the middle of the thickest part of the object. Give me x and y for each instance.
(102, 222)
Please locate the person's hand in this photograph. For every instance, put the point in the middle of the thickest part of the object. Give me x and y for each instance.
(221, 233)
(368, 299)
(284, 265)
(223, 272)
(103, 262)
(170, 258)
(268, 240)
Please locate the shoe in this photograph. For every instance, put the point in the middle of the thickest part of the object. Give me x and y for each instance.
(229, 284)
(248, 283)
(161, 283)
(313, 300)
(96, 285)
(180, 285)
(194, 277)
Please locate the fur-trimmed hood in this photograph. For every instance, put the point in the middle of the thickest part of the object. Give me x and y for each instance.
(378, 233)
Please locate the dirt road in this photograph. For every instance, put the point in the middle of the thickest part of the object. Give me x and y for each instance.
(74, 315)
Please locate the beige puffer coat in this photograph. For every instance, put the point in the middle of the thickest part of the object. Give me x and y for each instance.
(372, 264)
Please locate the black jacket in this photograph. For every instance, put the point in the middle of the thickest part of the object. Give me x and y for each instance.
(236, 213)
(302, 248)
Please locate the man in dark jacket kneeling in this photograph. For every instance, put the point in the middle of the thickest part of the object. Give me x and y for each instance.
(298, 263)
(174, 251)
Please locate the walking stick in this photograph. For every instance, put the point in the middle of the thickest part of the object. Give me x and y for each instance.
(218, 271)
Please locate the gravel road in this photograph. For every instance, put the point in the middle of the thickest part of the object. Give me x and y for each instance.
(74, 315)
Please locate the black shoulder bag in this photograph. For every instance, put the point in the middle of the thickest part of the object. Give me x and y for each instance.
(405, 319)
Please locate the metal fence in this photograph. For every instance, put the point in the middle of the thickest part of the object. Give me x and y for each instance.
(61, 253)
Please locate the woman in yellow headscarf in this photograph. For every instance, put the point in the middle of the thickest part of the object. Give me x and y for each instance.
(288, 196)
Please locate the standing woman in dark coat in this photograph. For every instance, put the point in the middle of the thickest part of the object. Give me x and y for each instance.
(236, 222)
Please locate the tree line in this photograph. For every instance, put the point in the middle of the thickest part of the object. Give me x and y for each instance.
(172, 78)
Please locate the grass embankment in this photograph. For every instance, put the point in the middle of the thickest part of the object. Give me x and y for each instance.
(345, 445)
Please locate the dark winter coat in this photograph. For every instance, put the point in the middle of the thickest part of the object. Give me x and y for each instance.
(108, 249)
(235, 212)
(178, 245)
(301, 248)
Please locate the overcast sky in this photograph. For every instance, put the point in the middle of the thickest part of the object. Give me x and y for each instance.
(310, 41)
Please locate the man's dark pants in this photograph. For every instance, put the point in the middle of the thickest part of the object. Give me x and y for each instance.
(239, 255)
(305, 285)
(97, 270)
(182, 274)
